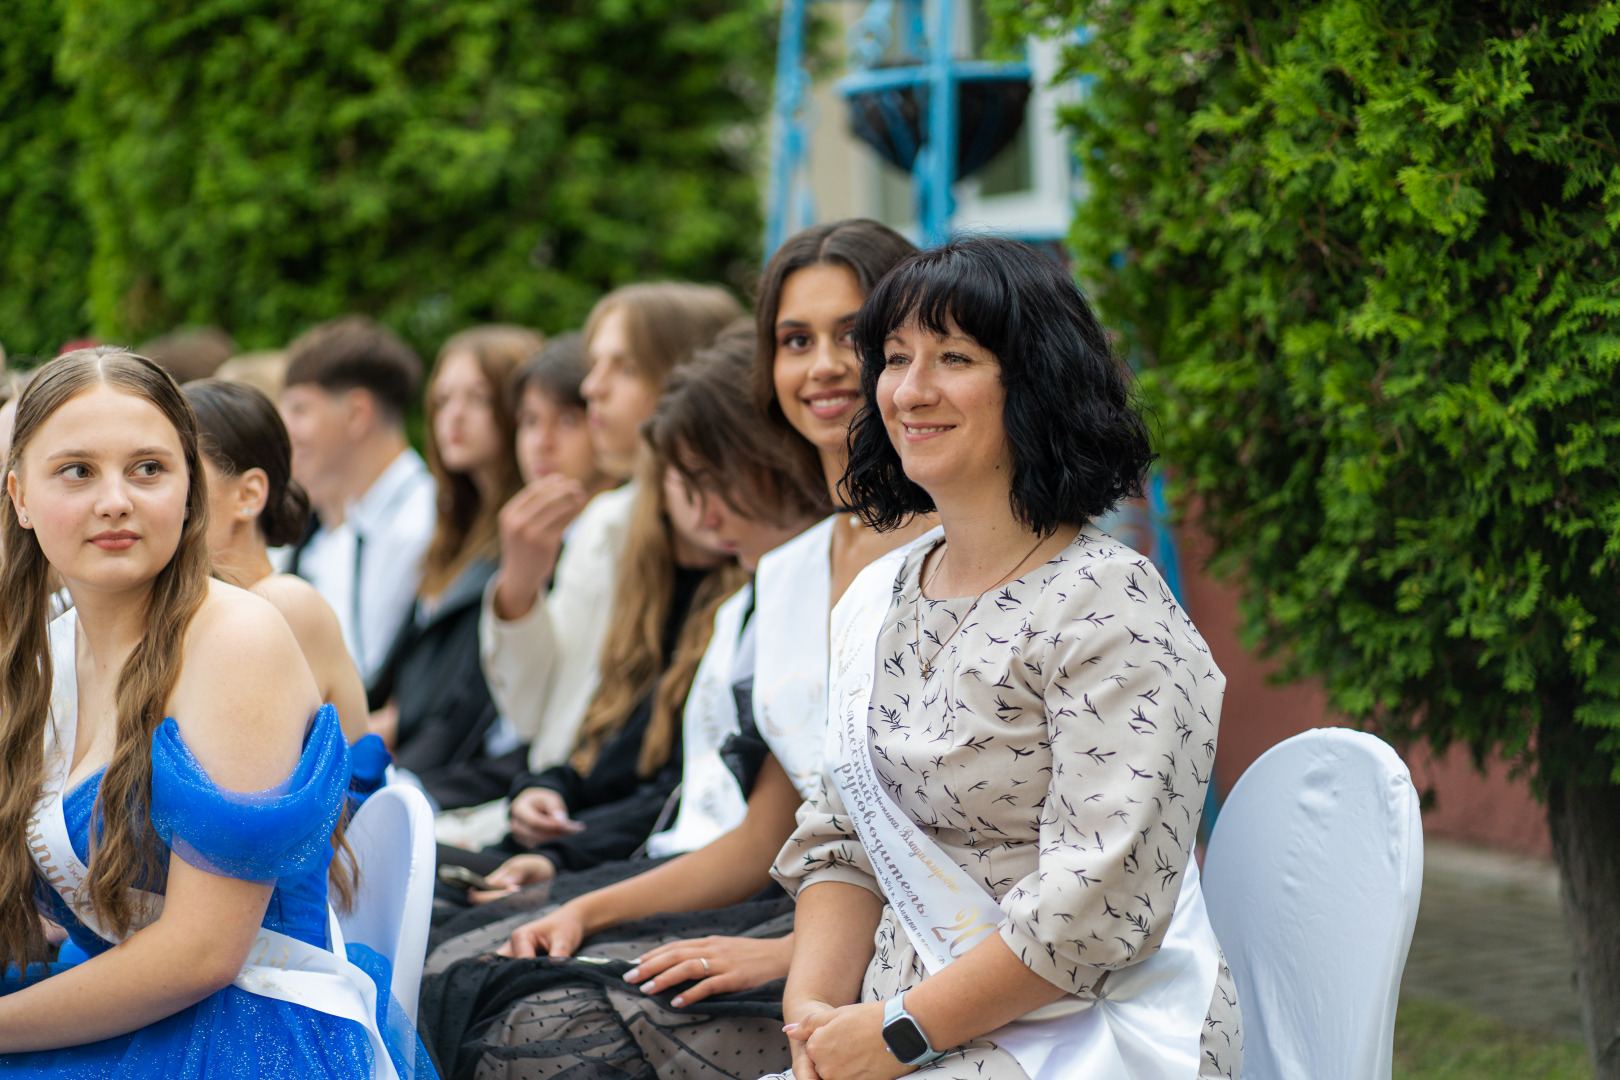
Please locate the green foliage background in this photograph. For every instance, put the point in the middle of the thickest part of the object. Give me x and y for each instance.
(264, 164)
(44, 243)
(1365, 251)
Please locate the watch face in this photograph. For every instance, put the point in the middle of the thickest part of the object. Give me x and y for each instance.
(904, 1039)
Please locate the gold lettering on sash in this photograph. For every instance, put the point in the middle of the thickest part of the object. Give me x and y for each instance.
(965, 924)
(40, 848)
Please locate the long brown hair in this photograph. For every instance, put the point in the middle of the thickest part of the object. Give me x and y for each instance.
(665, 321)
(866, 248)
(123, 846)
(708, 427)
(633, 650)
(468, 523)
(126, 846)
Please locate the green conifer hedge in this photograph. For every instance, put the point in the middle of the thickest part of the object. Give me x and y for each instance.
(1365, 252)
(44, 242)
(263, 164)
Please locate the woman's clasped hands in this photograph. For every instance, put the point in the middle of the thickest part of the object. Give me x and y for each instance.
(842, 1043)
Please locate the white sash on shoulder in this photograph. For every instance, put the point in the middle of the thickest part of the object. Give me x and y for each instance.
(1148, 1020)
(794, 585)
(789, 628)
(712, 803)
(278, 966)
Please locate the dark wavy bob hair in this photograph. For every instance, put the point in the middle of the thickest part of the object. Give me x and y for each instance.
(1073, 417)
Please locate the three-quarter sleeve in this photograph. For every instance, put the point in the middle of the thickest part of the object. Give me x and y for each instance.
(1132, 701)
(824, 846)
(283, 831)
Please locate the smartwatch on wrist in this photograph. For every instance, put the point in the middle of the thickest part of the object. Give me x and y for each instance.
(904, 1036)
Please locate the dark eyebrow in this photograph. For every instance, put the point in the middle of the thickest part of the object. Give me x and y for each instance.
(784, 324)
(144, 451)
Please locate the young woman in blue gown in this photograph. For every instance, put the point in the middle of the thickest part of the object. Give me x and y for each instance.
(170, 784)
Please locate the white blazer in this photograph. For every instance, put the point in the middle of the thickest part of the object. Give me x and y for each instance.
(543, 668)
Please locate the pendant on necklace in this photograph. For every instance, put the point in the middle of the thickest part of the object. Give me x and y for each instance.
(927, 670)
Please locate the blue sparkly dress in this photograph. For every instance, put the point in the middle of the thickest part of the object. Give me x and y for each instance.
(282, 834)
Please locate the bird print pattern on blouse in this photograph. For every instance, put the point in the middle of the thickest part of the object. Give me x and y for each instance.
(1059, 752)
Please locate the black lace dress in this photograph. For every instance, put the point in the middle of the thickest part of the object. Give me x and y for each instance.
(485, 1016)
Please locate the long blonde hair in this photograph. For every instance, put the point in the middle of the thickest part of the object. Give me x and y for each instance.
(468, 522)
(633, 650)
(123, 846)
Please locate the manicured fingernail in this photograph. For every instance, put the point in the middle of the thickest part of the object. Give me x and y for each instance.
(632, 975)
(677, 1002)
(647, 987)
(789, 1027)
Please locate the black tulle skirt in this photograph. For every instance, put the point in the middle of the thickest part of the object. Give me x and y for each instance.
(485, 1016)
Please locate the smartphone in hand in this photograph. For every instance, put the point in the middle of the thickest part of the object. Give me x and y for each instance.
(463, 878)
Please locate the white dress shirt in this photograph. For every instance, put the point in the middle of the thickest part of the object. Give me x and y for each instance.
(379, 547)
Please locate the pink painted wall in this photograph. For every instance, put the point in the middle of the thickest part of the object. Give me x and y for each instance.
(1493, 808)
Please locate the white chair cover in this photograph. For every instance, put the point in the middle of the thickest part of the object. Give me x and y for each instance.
(1312, 881)
(392, 838)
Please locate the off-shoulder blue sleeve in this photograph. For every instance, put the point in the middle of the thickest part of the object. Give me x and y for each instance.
(368, 764)
(257, 836)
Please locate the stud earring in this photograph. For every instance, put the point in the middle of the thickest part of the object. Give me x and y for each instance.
(25, 519)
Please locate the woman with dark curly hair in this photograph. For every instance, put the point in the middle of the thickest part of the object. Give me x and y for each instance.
(1024, 719)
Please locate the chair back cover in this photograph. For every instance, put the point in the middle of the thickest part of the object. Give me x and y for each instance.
(392, 838)
(1312, 880)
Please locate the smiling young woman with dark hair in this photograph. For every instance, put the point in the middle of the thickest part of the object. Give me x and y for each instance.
(1023, 717)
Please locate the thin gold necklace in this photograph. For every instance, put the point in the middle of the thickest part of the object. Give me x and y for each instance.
(928, 661)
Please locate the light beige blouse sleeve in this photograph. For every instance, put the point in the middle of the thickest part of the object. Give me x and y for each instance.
(824, 847)
(1132, 704)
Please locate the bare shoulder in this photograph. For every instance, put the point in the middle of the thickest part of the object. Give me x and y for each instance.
(245, 693)
(309, 615)
(236, 626)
